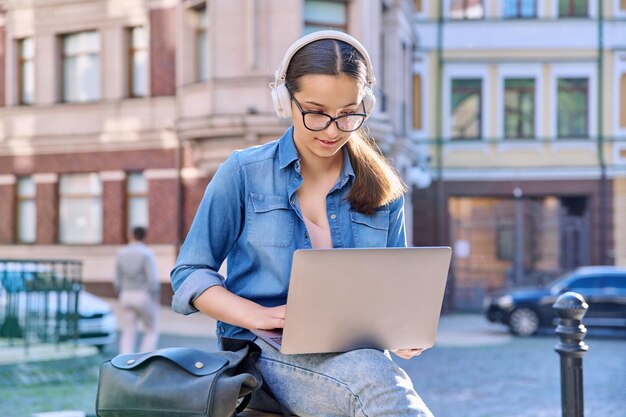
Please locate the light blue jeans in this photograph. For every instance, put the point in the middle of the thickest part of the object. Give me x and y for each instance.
(363, 383)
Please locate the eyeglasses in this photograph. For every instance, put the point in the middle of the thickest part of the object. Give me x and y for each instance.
(318, 121)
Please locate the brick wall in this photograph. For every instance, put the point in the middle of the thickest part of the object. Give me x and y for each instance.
(114, 211)
(163, 52)
(162, 192)
(163, 211)
(2, 64)
(193, 192)
(88, 162)
(47, 213)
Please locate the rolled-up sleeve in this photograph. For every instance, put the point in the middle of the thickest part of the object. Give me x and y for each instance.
(397, 232)
(215, 229)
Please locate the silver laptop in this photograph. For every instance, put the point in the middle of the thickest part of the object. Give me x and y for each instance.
(345, 299)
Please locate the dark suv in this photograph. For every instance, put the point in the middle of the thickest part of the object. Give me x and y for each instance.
(525, 310)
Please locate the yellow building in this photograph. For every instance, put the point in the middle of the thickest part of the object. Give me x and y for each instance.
(522, 107)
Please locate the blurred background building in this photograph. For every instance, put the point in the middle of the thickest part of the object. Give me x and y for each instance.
(506, 117)
(116, 113)
(523, 106)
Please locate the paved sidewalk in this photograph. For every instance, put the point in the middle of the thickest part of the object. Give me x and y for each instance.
(465, 330)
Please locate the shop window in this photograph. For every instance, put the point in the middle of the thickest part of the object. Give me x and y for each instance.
(505, 240)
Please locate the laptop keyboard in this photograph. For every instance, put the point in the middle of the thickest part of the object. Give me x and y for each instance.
(277, 339)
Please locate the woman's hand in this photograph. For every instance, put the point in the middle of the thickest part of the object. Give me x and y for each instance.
(223, 305)
(270, 318)
(408, 353)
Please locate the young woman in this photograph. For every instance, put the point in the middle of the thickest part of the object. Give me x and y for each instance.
(323, 184)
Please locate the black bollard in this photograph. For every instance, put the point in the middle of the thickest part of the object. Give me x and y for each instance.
(571, 307)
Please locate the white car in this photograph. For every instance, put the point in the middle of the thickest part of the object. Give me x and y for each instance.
(35, 301)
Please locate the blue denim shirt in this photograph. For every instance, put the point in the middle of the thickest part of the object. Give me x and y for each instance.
(250, 216)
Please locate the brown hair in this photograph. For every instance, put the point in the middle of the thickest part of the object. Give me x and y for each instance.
(376, 181)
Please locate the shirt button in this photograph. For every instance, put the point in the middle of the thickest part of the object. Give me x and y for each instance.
(333, 216)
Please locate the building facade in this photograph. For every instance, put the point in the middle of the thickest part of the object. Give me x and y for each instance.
(116, 113)
(522, 107)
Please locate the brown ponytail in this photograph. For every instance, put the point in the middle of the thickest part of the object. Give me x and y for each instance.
(376, 182)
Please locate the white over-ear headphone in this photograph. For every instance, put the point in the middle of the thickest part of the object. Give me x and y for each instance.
(280, 94)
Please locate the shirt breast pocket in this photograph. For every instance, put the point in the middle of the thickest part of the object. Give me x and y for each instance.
(370, 231)
(270, 221)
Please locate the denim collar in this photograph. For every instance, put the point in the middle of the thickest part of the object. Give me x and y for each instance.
(288, 154)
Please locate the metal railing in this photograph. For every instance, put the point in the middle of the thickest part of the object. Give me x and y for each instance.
(39, 301)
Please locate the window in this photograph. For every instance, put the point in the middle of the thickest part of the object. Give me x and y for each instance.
(466, 108)
(417, 102)
(138, 62)
(202, 45)
(325, 14)
(81, 67)
(137, 199)
(519, 9)
(584, 283)
(26, 71)
(615, 281)
(573, 8)
(519, 108)
(466, 9)
(26, 210)
(572, 107)
(80, 213)
(622, 104)
(505, 240)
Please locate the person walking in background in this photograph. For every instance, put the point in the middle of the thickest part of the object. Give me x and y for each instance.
(138, 287)
(323, 184)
